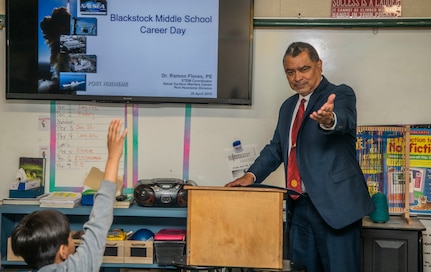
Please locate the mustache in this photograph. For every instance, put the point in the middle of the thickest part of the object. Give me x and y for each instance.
(299, 83)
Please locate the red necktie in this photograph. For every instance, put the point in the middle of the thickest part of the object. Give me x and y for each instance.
(293, 177)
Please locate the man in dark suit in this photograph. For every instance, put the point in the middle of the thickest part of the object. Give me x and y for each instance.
(324, 222)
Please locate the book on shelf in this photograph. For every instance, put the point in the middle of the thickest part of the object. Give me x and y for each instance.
(59, 205)
(34, 168)
(61, 200)
(23, 201)
(123, 202)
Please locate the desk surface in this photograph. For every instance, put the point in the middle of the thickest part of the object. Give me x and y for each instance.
(395, 222)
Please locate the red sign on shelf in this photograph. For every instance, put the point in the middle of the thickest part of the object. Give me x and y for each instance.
(365, 8)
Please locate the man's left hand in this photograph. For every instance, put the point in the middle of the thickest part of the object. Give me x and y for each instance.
(325, 115)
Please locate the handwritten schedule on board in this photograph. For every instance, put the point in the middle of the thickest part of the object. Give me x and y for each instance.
(78, 141)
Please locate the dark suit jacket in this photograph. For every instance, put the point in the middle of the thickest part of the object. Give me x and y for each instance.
(326, 159)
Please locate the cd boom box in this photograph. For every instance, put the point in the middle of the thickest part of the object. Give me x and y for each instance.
(161, 192)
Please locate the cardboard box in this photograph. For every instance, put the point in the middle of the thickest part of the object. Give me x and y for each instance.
(10, 256)
(235, 227)
(27, 193)
(140, 252)
(114, 251)
(23, 186)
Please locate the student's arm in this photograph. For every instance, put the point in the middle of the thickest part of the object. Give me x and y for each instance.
(88, 256)
(115, 150)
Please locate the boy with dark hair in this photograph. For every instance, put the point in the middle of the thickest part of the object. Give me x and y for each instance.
(43, 237)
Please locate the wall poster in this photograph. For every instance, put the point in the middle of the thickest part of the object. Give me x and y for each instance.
(365, 8)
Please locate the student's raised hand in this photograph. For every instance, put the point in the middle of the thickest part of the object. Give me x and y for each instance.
(115, 139)
(115, 149)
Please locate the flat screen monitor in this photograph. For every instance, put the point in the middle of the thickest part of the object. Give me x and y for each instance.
(130, 51)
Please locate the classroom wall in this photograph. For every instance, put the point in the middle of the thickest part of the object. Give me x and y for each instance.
(161, 129)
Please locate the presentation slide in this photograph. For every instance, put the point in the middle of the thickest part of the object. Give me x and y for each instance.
(131, 47)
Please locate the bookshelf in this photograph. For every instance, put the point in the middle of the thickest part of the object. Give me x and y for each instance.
(384, 156)
(131, 219)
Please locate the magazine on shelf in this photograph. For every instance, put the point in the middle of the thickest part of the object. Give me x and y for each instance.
(61, 200)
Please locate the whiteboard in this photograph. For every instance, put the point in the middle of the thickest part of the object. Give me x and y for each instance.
(388, 68)
(78, 142)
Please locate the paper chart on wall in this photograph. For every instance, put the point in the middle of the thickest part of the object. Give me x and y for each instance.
(78, 142)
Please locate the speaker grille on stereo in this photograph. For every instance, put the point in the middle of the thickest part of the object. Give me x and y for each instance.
(144, 195)
(182, 197)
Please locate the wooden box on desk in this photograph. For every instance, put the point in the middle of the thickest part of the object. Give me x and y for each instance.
(114, 250)
(140, 252)
(10, 255)
(235, 227)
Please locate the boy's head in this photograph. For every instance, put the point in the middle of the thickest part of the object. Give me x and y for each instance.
(42, 238)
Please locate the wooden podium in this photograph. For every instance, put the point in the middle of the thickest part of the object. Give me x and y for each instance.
(235, 227)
